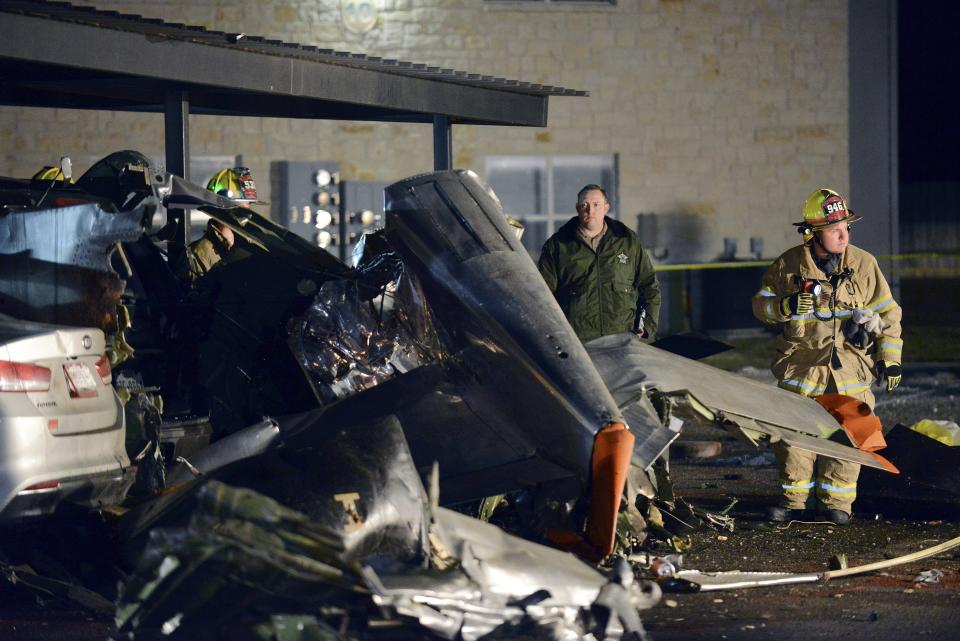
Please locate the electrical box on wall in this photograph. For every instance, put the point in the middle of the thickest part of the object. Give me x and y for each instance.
(362, 211)
(315, 204)
(308, 198)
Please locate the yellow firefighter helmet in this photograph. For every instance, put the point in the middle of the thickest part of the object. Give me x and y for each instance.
(235, 183)
(824, 207)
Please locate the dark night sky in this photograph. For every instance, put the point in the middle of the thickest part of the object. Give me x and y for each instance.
(929, 80)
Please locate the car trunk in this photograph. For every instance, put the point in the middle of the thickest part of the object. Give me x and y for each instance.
(77, 400)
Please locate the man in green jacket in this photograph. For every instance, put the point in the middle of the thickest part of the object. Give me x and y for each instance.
(600, 274)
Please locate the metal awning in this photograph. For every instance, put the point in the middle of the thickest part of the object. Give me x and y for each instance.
(54, 54)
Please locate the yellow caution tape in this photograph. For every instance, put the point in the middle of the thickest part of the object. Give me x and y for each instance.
(738, 264)
(724, 265)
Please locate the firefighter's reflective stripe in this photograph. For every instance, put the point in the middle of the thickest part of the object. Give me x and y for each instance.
(822, 313)
(809, 388)
(890, 349)
(883, 304)
(770, 308)
(838, 489)
(803, 386)
(851, 387)
(768, 305)
(802, 488)
(831, 493)
(892, 343)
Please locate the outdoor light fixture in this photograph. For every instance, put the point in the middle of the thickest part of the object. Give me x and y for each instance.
(323, 218)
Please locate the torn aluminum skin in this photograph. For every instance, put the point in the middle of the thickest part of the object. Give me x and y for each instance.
(503, 582)
(752, 406)
(55, 266)
(513, 568)
(81, 235)
(630, 394)
(499, 584)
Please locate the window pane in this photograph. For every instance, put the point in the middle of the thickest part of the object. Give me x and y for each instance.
(519, 183)
(541, 191)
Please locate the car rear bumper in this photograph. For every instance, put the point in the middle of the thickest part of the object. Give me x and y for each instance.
(88, 464)
(91, 491)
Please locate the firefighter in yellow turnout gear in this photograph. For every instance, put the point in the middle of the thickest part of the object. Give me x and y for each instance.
(841, 330)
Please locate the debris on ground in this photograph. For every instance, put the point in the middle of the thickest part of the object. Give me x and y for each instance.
(929, 576)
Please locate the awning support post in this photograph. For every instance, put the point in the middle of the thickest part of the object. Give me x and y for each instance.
(176, 135)
(442, 143)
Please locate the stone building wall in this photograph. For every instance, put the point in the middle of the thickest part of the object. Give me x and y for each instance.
(724, 114)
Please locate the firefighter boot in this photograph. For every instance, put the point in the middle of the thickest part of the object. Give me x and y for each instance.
(837, 517)
(782, 514)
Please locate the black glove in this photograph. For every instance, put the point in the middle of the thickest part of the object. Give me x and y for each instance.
(889, 370)
(863, 327)
(797, 304)
(856, 335)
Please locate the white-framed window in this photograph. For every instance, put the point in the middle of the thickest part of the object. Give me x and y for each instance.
(541, 191)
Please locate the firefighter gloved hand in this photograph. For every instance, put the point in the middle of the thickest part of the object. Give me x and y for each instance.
(870, 320)
(863, 326)
(797, 304)
(856, 335)
(891, 371)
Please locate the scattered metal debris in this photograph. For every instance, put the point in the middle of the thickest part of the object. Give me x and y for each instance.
(929, 576)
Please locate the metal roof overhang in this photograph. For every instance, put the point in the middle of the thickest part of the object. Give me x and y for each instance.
(48, 62)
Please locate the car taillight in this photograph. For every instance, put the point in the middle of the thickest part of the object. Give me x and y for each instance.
(46, 485)
(23, 377)
(103, 369)
(69, 202)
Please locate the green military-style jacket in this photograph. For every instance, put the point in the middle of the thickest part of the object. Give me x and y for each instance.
(601, 292)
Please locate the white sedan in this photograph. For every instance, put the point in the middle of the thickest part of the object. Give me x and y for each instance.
(61, 423)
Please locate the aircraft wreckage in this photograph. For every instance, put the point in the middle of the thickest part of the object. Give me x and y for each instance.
(285, 411)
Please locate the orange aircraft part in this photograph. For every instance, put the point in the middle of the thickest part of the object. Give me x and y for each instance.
(612, 451)
(574, 543)
(861, 425)
(887, 465)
